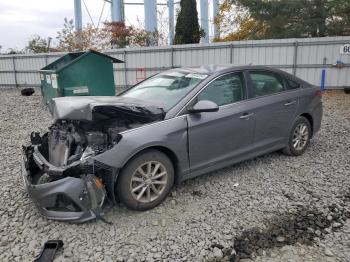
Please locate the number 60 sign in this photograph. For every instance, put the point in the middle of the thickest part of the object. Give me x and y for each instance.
(345, 49)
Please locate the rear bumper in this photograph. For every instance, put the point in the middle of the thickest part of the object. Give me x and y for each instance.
(76, 199)
(317, 114)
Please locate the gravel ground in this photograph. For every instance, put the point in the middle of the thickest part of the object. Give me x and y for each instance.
(272, 208)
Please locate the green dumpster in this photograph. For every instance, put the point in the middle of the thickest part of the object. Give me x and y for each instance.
(87, 73)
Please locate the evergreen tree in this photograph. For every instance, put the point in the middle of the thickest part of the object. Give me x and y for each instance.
(187, 29)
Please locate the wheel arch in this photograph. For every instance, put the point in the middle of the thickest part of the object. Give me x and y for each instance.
(166, 151)
(311, 121)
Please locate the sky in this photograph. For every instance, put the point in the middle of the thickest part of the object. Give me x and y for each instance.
(22, 19)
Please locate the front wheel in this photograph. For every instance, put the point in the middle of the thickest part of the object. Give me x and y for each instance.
(145, 181)
(299, 137)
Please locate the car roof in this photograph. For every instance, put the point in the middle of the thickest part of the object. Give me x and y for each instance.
(212, 69)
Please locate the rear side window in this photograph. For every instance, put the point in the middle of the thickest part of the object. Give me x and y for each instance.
(224, 90)
(265, 83)
(292, 84)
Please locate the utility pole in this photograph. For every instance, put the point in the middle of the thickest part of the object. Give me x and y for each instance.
(117, 10)
(171, 21)
(49, 43)
(215, 14)
(150, 7)
(77, 15)
(204, 22)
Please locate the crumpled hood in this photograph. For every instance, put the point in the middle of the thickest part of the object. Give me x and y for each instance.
(89, 107)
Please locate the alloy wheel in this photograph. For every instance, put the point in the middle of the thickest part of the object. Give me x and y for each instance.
(300, 136)
(148, 181)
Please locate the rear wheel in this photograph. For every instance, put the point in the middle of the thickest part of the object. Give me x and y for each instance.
(145, 181)
(299, 137)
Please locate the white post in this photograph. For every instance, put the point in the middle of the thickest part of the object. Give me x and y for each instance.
(171, 21)
(150, 15)
(215, 13)
(204, 23)
(117, 11)
(77, 15)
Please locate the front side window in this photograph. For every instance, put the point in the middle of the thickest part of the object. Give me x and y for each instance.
(165, 89)
(224, 90)
(265, 83)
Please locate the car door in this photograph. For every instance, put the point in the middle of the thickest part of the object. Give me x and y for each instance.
(217, 137)
(274, 108)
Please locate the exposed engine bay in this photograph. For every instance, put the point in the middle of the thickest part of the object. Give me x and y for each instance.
(59, 169)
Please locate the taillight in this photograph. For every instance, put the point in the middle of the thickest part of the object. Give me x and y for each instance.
(318, 93)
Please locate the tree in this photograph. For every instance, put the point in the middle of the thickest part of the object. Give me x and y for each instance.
(38, 44)
(340, 19)
(88, 38)
(119, 33)
(248, 28)
(14, 51)
(121, 36)
(187, 29)
(141, 37)
(160, 37)
(236, 23)
(258, 19)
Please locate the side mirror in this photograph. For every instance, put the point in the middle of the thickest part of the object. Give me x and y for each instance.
(204, 106)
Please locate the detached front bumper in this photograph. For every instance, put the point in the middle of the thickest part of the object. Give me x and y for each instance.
(76, 199)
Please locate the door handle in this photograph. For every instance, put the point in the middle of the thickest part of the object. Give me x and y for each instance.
(289, 103)
(246, 116)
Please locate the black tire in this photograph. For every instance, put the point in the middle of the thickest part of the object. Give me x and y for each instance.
(347, 90)
(124, 182)
(290, 149)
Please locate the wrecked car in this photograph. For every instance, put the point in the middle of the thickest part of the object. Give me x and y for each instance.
(171, 127)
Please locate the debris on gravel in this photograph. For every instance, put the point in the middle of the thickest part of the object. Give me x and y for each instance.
(27, 91)
(304, 226)
(271, 208)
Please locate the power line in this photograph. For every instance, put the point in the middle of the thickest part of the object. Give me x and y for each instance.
(108, 15)
(87, 10)
(99, 19)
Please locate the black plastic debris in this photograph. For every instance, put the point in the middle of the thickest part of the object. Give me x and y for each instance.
(27, 91)
(49, 250)
(35, 138)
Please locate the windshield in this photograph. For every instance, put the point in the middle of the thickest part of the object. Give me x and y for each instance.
(166, 89)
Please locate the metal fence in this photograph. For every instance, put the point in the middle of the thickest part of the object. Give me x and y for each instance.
(303, 57)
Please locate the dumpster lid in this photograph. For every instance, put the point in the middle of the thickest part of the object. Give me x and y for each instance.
(114, 60)
(72, 57)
